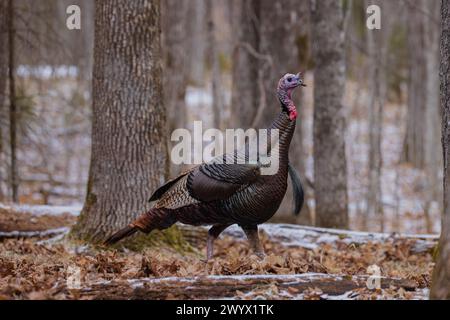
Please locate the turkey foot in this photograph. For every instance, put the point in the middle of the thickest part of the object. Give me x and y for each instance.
(253, 238)
(213, 234)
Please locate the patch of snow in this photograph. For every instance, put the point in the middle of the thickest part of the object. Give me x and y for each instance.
(29, 234)
(39, 210)
(312, 237)
(422, 294)
(349, 295)
(197, 96)
(47, 71)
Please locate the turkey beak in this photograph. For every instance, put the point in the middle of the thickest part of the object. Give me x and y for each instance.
(299, 79)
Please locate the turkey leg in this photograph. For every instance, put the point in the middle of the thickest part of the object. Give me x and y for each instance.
(213, 234)
(252, 235)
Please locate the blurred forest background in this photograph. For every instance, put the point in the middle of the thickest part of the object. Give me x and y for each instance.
(221, 63)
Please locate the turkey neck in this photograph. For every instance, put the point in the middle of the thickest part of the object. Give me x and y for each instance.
(286, 128)
(285, 122)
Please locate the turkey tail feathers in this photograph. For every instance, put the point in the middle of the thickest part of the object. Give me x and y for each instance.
(297, 189)
(119, 235)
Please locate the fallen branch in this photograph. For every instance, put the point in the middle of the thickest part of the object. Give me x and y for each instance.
(33, 234)
(227, 286)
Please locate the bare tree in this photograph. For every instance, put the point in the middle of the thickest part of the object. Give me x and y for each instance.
(175, 43)
(3, 82)
(376, 48)
(129, 149)
(265, 41)
(245, 97)
(413, 150)
(278, 31)
(12, 103)
(440, 288)
(433, 147)
(196, 27)
(421, 146)
(283, 23)
(213, 56)
(330, 167)
(265, 49)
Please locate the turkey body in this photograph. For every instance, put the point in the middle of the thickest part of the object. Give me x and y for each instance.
(225, 191)
(256, 199)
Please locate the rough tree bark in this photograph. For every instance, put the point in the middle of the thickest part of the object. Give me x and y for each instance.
(330, 167)
(12, 104)
(129, 149)
(440, 288)
(376, 50)
(3, 78)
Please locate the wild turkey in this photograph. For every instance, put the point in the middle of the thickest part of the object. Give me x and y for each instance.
(225, 193)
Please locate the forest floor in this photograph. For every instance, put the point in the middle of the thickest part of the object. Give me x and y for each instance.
(37, 262)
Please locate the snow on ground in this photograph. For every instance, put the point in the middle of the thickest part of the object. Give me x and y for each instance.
(313, 237)
(38, 210)
(29, 234)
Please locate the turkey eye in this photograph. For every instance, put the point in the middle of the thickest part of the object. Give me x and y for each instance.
(289, 79)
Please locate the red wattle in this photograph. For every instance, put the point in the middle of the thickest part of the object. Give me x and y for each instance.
(292, 114)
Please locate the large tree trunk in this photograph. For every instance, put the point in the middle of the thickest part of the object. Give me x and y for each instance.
(440, 288)
(129, 149)
(3, 78)
(330, 167)
(376, 49)
(14, 178)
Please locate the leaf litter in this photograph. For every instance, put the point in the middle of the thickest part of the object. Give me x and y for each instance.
(30, 269)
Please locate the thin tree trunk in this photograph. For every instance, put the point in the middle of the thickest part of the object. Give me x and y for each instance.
(294, 23)
(266, 34)
(440, 288)
(413, 149)
(278, 34)
(245, 93)
(12, 104)
(375, 46)
(129, 147)
(433, 147)
(196, 26)
(330, 167)
(216, 82)
(175, 40)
